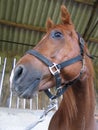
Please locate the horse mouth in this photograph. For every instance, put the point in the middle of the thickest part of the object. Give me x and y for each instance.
(28, 91)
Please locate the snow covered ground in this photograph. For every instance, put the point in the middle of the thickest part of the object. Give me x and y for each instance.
(16, 119)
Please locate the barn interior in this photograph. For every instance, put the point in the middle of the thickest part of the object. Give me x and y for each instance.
(23, 24)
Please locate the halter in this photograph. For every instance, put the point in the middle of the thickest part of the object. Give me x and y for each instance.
(56, 68)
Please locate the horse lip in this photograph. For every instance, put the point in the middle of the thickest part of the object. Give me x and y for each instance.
(29, 91)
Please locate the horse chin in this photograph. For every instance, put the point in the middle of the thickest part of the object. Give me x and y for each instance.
(26, 92)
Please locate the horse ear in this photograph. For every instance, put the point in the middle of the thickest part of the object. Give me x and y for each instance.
(65, 16)
(49, 24)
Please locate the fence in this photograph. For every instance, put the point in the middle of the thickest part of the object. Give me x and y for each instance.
(40, 101)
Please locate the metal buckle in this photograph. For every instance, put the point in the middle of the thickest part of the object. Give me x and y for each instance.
(82, 41)
(54, 69)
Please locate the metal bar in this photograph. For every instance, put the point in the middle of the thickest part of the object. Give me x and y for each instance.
(10, 101)
(2, 77)
(0, 60)
(11, 96)
(30, 104)
(24, 103)
(37, 101)
(17, 103)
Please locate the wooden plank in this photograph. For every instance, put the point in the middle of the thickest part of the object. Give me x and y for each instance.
(95, 40)
(24, 26)
(89, 2)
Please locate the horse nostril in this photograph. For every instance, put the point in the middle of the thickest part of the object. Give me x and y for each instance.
(19, 72)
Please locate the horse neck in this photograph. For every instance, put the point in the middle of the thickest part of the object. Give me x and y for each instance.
(76, 110)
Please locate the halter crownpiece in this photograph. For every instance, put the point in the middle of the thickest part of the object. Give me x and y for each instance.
(55, 69)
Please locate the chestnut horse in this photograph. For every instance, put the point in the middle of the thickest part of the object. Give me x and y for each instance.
(60, 59)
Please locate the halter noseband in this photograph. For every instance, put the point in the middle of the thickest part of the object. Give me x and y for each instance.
(55, 69)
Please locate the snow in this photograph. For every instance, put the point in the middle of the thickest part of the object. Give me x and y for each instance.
(17, 119)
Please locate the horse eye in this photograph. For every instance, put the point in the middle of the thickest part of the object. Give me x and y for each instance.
(56, 35)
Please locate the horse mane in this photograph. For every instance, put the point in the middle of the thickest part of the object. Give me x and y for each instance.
(69, 102)
(68, 106)
(67, 109)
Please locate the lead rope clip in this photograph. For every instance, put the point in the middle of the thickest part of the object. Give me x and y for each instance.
(50, 107)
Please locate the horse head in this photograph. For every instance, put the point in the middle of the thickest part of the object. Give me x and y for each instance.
(59, 44)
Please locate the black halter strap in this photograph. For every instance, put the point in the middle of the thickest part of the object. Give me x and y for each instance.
(51, 65)
(55, 69)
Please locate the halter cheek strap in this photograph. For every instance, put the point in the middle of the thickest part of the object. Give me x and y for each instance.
(56, 68)
(55, 71)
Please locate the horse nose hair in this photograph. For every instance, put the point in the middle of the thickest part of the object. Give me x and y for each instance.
(19, 73)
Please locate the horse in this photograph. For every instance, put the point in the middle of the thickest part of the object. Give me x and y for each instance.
(61, 59)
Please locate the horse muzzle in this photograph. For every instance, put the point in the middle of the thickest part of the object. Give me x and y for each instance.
(25, 81)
